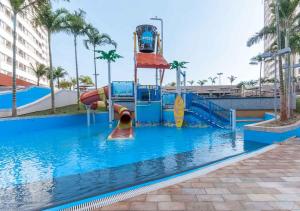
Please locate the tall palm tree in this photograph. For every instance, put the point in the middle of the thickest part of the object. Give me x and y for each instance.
(73, 82)
(231, 79)
(212, 80)
(53, 22)
(201, 82)
(110, 56)
(191, 82)
(39, 70)
(287, 17)
(95, 39)
(177, 65)
(75, 24)
(59, 73)
(17, 7)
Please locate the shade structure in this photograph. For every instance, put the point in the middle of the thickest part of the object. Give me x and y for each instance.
(151, 60)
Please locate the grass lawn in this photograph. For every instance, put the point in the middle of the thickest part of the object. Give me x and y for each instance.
(71, 109)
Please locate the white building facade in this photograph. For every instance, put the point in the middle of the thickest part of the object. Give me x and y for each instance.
(269, 66)
(32, 47)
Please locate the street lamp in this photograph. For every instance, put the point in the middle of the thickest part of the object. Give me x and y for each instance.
(271, 55)
(161, 40)
(254, 61)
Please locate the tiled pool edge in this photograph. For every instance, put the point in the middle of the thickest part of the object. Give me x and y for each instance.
(108, 199)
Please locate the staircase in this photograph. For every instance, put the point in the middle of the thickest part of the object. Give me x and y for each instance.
(208, 111)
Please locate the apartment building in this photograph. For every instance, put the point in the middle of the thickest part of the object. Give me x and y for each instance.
(32, 47)
(269, 66)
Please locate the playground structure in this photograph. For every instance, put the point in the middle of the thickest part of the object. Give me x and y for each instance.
(134, 104)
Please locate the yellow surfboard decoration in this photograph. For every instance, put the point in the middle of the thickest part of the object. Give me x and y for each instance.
(179, 111)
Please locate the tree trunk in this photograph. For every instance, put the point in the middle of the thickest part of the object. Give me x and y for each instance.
(260, 78)
(77, 75)
(14, 76)
(109, 94)
(58, 84)
(95, 66)
(288, 74)
(51, 74)
(38, 81)
(292, 91)
(283, 106)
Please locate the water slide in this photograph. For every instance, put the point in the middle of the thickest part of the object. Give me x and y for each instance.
(98, 98)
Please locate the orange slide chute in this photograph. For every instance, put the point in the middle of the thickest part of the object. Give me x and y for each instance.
(97, 99)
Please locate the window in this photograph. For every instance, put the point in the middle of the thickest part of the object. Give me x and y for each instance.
(9, 60)
(8, 44)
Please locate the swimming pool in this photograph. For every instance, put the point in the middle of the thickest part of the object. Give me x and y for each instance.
(46, 162)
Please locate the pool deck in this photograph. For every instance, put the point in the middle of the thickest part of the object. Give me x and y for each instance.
(269, 181)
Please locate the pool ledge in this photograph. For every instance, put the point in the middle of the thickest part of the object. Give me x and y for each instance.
(264, 134)
(108, 199)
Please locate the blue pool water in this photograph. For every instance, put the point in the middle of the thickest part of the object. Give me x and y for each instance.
(23, 97)
(52, 161)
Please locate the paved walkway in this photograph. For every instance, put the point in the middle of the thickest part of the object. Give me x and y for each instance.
(270, 181)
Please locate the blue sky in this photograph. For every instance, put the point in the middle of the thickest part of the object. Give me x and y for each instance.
(210, 34)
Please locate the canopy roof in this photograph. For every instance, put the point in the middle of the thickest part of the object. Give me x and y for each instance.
(151, 60)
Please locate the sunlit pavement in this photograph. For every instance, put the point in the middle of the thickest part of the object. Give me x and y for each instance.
(269, 181)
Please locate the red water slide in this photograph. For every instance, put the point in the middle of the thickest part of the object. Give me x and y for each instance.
(98, 98)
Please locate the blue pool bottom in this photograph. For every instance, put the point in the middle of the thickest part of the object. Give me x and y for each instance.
(65, 161)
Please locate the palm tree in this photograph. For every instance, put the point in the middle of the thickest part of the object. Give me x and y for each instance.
(287, 17)
(87, 80)
(212, 80)
(110, 56)
(231, 79)
(59, 73)
(172, 84)
(176, 65)
(255, 60)
(64, 84)
(19, 6)
(75, 24)
(191, 82)
(52, 22)
(39, 70)
(201, 82)
(95, 38)
(73, 82)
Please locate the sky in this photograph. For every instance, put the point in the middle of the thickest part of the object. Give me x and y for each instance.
(210, 34)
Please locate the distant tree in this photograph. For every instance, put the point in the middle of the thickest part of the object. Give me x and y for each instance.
(59, 73)
(172, 84)
(201, 82)
(87, 80)
(64, 84)
(231, 79)
(39, 70)
(191, 82)
(212, 80)
(73, 82)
